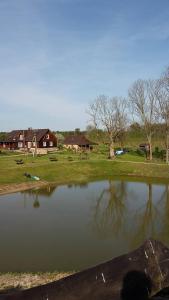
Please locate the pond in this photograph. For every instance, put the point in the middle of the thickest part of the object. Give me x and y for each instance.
(72, 227)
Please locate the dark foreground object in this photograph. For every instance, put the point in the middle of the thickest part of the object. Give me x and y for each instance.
(104, 282)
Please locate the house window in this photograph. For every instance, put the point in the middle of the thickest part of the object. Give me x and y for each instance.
(47, 136)
(20, 144)
(44, 144)
(21, 137)
(51, 143)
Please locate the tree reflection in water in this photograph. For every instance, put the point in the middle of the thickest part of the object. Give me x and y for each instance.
(152, 219)
(121, 210)
(165, 220)
(109, 211)
(36, 193)
(144, 220)
(113, 215)
(35, 196)
(36, 204)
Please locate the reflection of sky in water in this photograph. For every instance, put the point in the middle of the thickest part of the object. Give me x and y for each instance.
(73, 227)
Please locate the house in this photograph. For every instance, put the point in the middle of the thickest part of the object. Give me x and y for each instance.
(78, 142)
(30, 138)
(144, 147)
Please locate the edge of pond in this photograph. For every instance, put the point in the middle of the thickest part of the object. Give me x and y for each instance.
(18, 187)
(13, 282)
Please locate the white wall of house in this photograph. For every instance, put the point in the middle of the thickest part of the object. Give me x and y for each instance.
(29, 145)
(75, 147)
(20, 145)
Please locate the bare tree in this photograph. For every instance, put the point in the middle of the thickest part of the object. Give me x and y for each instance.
(163, 106)
(142, 97)
(165, 79)
(110, 115)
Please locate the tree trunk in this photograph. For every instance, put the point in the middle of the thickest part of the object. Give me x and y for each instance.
(167, 149)
(150, 148)
(151, 154)
(111, 150)
(167, 143)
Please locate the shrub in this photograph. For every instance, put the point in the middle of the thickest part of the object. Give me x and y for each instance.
(140, 152)
(157, 153)
(60, 147)
(162, 154)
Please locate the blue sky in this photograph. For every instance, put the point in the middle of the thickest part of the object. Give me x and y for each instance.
(56, 56)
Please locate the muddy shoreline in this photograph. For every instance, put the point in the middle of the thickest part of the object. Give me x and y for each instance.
(18, 187)
(13, 282)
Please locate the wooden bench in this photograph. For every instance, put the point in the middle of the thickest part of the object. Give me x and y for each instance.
(53, 158)
(19, 161)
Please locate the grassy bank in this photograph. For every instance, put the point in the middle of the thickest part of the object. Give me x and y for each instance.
(70, 167)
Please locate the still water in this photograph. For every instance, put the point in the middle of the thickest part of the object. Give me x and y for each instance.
(73, 227)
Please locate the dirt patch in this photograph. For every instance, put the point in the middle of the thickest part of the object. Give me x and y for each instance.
(17, 187)
(19, 281)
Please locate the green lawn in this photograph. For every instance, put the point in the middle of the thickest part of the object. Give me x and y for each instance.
(71, 167)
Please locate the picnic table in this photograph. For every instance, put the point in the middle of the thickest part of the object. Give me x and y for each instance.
(53, 158)
(19, 161)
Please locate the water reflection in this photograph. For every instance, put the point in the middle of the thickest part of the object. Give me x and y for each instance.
(153, 219)
(47, 191)
(108, 215)
(165, 220)
(144, 219)
(78, 185)
(122, 211)
(36, 204)
(115, 214)
(35, 194)
(74, 227)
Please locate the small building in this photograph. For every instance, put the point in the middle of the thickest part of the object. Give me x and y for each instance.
(30, 138)
(78, 142)
(144, 147)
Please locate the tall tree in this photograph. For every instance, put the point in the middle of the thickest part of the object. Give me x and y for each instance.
(110, 115)
(163, 106)
(165, 79)
(142, 97)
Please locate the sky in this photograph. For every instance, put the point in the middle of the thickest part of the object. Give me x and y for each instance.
(57, 56)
